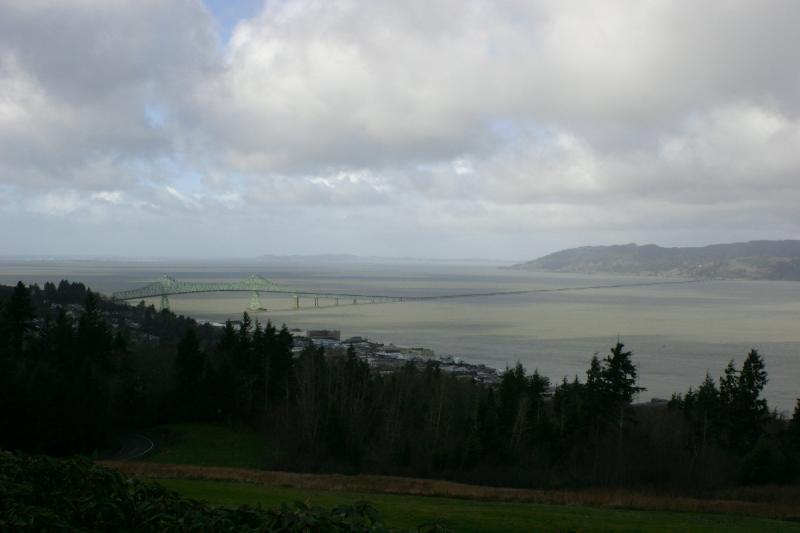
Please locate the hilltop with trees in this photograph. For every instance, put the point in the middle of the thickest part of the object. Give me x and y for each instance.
(775, 260)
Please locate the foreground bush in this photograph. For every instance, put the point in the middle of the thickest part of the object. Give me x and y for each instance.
(42, 493)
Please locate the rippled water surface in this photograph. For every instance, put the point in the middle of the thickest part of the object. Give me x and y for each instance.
(677, 332)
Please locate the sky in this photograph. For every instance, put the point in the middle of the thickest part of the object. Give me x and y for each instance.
(439, 128)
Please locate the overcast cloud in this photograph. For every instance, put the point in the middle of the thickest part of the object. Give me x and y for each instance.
(446, 128)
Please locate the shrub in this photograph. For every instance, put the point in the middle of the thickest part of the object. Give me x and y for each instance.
(42, 493)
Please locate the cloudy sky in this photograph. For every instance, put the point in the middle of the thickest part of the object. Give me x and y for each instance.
(446, 128)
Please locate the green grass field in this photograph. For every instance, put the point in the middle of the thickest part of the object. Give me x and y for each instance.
(208, 445)
(468, 515)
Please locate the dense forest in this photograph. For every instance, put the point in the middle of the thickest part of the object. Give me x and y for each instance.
(77, 370)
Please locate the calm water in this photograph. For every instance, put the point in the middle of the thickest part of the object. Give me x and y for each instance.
(677, 332)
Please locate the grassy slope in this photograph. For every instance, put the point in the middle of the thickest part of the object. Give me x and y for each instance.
(208, 445)
(469, 515)
(218, 446)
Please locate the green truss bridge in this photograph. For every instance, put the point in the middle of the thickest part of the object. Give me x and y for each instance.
(255, 285)
(168, 286)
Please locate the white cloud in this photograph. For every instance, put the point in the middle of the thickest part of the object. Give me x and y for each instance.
(740, 143)
(504, 122)
(182, 199)
(77, 79)
(111, 197)
(60, 203)
(310, 84)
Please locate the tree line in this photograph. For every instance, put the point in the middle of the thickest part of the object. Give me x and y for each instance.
(68, 380)
(69, 384)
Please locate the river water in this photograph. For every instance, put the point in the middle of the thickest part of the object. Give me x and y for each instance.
(677, 332)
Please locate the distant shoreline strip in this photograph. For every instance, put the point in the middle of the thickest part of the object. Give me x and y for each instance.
(558, 289)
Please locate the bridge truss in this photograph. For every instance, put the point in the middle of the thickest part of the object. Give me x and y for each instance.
(168, 286)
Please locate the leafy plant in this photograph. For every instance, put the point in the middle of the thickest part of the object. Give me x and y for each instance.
(42, 493)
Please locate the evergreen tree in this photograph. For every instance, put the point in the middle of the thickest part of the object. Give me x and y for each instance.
(18, 314)
(265, 342)
(734, 414)
(512, 388)
(349, 422)
(312, 397)
(569, 411)
(794, 427)
(92, 377)
(50, 292)
(259, 367)
(95, 342)
(488, 424)
(71, 293)
(702, 410)
(130, 393)
(619, 375)
(597, 396)
(538, 387)
(223, 382)
(748, 410)
(598, 410)
(245, 369)
(281, 374)
(706, 411)
(619, 379)
(729, 384)
(189, 374)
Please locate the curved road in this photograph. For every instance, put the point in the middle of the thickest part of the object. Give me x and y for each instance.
(134, 446)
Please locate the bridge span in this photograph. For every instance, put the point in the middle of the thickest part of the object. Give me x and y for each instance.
(168, 286)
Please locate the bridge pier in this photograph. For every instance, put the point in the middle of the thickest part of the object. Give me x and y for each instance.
(297, 302)
(255, 301)
(164, 302)
(316, 301)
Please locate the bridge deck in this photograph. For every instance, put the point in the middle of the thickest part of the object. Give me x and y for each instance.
(168, 286)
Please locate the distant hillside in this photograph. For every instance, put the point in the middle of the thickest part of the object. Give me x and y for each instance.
(777, 260)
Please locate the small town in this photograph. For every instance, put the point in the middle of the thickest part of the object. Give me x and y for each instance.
(387, 358)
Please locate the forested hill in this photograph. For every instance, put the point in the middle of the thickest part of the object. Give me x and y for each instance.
(777, 260)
